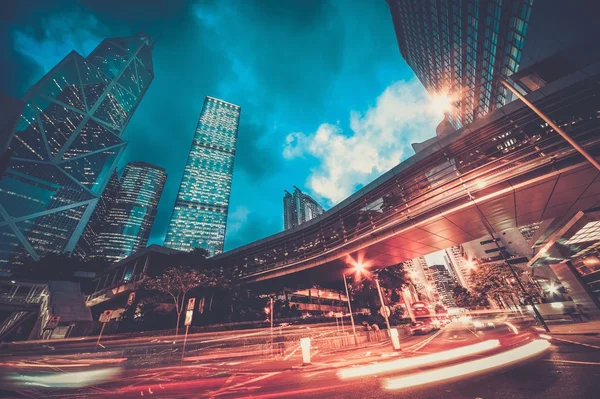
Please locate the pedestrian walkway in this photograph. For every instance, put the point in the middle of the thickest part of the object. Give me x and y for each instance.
(585, 328)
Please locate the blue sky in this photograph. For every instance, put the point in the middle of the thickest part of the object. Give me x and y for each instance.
(328, 103)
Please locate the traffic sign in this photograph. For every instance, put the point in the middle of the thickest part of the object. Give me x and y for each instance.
(191, 303)
(385, 311)
(188, 317)
(105, 316)
(52, 323)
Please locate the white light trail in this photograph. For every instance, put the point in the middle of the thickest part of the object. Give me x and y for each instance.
(476, 366)
(402, 364)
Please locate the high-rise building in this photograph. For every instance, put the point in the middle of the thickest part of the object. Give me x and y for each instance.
(66, 146)
(463, 48)
(299, 208)
(444, 284)
(200, 213)
(126, 227)
(85, 246)
(459, 264)
(422, 278)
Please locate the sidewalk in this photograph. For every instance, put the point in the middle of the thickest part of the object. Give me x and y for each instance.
(583, 328)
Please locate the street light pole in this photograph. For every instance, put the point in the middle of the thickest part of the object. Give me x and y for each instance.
(383, 307)
(349, 305)
(553, 125)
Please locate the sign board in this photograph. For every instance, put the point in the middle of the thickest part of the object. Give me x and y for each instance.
(52, 323)
(385, 311)
(191, 303)
(188, 317)
(105, 316)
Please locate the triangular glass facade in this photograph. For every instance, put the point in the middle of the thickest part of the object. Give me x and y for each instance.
(66, 145)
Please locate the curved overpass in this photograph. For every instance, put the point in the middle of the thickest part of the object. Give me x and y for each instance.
(506, 170)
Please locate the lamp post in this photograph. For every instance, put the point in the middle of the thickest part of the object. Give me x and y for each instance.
(349, 305)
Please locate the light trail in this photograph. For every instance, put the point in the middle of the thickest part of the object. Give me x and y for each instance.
(512, 327)
(475, 366)
(402, 364)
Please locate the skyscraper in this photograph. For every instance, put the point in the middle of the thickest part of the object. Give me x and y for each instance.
(200, 213)
(463, 48)
(299, 208)
(85, 246)
(458, 262)
(444, 284)
(422, 278)
(66, 146)
(127, 224)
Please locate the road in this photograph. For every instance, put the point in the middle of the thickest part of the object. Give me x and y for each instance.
(570, 368)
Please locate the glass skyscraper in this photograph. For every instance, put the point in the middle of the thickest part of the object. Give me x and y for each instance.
(66, 145)
(463, 48)
(299, 208)
(126, 227)
(200, 213)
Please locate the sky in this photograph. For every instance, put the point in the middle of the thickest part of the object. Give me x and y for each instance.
(328, 103)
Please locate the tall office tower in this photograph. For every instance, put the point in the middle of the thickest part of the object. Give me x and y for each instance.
(200, 214)
(422, 278)
(444, 284)
(459, 263)
(299, 208)
(126, 227)
(463, 48)
(67, 144)
(86, 243)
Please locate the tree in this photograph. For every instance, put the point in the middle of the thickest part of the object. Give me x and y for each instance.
(495, 281)
(177, 282)
(466, 299)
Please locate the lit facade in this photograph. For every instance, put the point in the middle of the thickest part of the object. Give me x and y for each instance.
(444, 284)
(299, 208)
(463, 48)
(126, 227)
(200, 214)
(66, 145)
(459, 263)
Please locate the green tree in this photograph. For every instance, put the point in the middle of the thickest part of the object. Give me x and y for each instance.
(495, 281)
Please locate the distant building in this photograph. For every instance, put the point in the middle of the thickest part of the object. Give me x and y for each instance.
(299, 208)
(199, 217)
(422, 278)
(463, 48)
(444, 283)
(66, 145)
(458, 262)
(126, 226)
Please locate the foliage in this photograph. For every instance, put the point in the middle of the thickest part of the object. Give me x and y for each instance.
(495, 281)
(364, 290)
(463, 298)
(177, 282)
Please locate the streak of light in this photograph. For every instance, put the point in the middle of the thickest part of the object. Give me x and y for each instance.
(406, 363)
(544, 336)
(71, 379)
(576, 343)
(475, 366)
(571, 362)
(512, 327)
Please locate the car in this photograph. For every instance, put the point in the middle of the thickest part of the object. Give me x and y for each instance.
(421, 327)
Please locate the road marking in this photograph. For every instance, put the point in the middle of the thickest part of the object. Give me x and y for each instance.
(576, 343)
(423, 343)
(571, 361)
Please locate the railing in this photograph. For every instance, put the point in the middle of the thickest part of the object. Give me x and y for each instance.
(510, 142)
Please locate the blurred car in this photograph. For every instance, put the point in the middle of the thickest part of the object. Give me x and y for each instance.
(483, 324)
(421, 327)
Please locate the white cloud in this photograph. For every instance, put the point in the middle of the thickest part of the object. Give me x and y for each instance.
(380, 139)
(71, 30)
(237, 219)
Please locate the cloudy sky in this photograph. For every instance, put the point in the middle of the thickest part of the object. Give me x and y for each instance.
(328, 103)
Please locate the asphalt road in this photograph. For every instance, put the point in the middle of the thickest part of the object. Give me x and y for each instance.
(569, 369)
